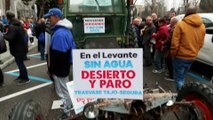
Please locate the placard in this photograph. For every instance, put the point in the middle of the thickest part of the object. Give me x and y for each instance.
(108, 73)
(99, 2)
(78, 103)
(94, 25)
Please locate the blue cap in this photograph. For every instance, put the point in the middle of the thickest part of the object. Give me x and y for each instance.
(54, 11)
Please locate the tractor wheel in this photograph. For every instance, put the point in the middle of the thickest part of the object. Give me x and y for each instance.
(90, 110)
(26, 110)
(201, 94)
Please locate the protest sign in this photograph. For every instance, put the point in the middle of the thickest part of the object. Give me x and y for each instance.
(94, 25)
(108, 73)
(97, 3)
(78, 103)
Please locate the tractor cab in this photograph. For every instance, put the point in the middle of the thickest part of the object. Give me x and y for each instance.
(98, 23)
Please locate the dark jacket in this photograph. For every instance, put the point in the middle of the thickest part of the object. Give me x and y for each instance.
(168, 41)
(39, 27)
(147, 34)
(15, 36)
(155, 22)
(61, 46)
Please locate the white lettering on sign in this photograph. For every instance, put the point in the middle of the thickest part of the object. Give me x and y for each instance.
(108, 73)
(78, 103)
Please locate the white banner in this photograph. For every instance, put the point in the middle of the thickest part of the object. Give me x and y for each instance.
(94, 25)
(100, 2)
(78, 103)
(108, 73)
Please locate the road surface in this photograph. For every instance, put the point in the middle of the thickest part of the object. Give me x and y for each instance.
(41, 88)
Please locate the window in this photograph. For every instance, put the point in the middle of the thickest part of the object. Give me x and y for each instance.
(207, 22)
(95, 6)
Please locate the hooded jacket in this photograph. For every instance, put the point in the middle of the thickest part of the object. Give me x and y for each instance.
(188, 37)
(161, 35)
(15, 36)
(61, 46)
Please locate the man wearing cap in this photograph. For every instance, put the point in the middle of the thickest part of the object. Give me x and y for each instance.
(60, 56)
(187, 40)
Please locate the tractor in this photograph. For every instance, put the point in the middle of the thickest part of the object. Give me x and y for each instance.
(105, 24)
(100, 23)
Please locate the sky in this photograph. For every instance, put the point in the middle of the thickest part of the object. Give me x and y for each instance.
(169, 3)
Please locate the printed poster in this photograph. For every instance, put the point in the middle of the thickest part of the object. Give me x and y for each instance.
(94, 25)
(108, 73)
(100, 2)
(78, 103)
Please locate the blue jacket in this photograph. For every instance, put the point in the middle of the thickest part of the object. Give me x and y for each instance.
(4, 20)
(61, 46)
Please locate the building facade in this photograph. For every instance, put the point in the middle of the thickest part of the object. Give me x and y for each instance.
(18, 7)
(2, 7)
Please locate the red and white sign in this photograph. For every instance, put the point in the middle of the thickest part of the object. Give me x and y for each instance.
(78, 103)
(108, 73)
(94, 25)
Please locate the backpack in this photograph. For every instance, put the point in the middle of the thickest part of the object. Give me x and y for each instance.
(3, 46)
(41, 37)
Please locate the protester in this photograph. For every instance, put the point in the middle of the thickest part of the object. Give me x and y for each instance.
(1, 73)
(146, 33)
(60, 56)
(5, 23)
(48, 33)
(188, 39)
(18, 48)
(1, 79)
(172, 14)
(168, 58)
(31, 31)
(160, 37)
(137, 22)
(1, 25)
(4, 20)
(40, 34)
(26, 36)
(155, 21)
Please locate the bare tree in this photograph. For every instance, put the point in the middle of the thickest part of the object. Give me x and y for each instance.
(206, 5)
(186, 4)
(152, 5)
(195, 2)
(161, 9)
(155, 6)
(42, 8)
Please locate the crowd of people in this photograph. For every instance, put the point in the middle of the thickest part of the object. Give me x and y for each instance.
(18, 32)
(169, 45)
(55, 44)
